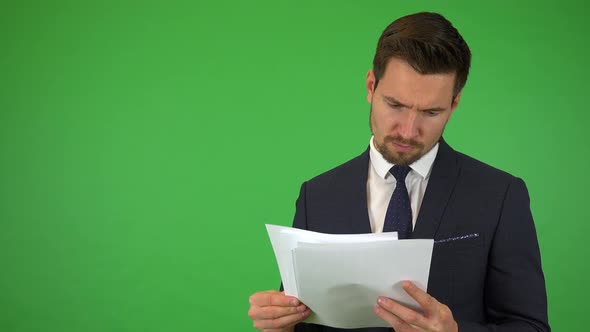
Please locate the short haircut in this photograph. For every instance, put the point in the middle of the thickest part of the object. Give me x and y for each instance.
(429, 43)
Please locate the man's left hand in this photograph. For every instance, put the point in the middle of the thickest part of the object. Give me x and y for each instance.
(436, 317)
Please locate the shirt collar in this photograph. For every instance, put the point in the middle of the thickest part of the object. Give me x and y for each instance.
(422, 166)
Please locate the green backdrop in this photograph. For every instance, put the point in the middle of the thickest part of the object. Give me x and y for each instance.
(144, 145)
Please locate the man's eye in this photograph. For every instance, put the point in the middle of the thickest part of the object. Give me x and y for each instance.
(396, 106)
(431, 113)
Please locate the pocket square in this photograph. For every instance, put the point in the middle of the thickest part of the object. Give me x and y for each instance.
(456, 238)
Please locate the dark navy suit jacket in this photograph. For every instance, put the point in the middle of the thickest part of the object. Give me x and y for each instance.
(485, 265)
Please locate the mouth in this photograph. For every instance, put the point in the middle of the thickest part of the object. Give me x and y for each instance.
(402, 147)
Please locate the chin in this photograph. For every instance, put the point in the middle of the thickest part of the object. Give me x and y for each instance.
(403, 159)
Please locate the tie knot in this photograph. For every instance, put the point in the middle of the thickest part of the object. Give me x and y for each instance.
(400, 172)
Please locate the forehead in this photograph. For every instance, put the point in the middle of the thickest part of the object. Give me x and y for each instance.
(405, 84)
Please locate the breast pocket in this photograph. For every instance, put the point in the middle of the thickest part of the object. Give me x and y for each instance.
(465, 241)
(464, 259)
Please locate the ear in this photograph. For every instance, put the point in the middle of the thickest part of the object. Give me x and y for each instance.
(456, 101)
(370, 85)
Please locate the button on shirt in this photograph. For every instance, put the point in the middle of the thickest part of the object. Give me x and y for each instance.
(381, 184)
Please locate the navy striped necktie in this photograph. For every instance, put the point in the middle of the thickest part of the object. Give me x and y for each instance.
(398, 217)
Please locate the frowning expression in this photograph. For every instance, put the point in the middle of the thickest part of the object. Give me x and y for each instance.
(409, 110)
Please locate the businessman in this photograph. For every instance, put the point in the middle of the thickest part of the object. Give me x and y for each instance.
(486, 268)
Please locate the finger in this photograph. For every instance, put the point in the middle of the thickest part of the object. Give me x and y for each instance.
(272, 312)
(394, 321)
(273, 298)
(281, 322)
(427, 302)
(402, 312)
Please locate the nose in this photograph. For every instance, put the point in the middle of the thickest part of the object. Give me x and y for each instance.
(409, 125)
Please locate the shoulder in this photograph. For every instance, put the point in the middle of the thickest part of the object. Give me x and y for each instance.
(351, 169)
(480, 176)
(472, 166)
(448, 157)
(471, 172)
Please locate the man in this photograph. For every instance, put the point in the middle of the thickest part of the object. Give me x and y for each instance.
(486, 269)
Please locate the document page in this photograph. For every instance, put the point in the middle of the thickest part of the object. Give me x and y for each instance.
(339, 277)
(341, 283)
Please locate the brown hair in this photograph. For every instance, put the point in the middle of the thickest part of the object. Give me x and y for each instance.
(426, 41)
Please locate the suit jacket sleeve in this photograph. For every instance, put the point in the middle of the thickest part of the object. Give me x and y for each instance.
(300, 219)
(515, 295)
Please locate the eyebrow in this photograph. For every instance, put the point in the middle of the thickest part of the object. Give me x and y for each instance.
(392, 100)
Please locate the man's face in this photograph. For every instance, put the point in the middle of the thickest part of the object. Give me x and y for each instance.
(409, 110)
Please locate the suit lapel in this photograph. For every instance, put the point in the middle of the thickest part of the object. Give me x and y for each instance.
(442, 181)
(358, 214)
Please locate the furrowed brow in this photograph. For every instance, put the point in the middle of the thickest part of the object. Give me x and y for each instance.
(434, 109)
(392, 100)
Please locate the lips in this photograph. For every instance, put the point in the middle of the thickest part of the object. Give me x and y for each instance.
(403, 147)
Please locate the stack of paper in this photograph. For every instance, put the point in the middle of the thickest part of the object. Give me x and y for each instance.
(339, 277)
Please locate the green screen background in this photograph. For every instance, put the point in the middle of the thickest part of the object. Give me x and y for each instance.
(145, 144)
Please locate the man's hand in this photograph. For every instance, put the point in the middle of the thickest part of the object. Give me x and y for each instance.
(273, 311)
(436, 317)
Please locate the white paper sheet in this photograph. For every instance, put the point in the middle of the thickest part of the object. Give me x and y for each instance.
(340, 276)
(285, 239)
(340, 283)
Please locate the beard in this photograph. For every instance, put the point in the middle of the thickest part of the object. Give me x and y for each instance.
(397, 157)
(393, 156)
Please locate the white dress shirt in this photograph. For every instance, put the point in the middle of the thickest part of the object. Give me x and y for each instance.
(381, 184)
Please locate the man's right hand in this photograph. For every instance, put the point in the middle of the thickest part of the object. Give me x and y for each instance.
(274, 311)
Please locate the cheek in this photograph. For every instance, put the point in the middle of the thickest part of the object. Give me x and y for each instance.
(434, 129)
(384, 119)
(380, 124)
(376, 119)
